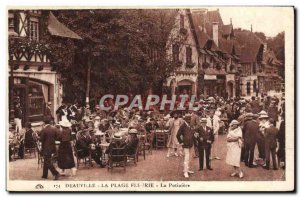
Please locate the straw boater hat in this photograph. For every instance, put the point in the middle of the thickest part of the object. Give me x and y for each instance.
(263, 115)
(262, 112)
(132, 131)
(97, 118)
(249, 116)
(203, 120)
(117, 136)
(65, 123)
(234, 122)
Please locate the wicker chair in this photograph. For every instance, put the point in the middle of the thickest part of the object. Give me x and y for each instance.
(117, 158)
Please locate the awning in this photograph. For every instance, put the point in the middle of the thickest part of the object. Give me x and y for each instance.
(56, 28)
(210, 77)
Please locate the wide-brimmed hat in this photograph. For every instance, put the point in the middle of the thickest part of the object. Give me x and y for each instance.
(262, 113)
(234, 122)
(97, 118)
(249, 115)
(65, 123)
(117, 136)
(203, 120)
(132, 131)
(263, 116)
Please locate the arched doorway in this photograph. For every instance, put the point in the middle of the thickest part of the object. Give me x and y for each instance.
(33, 94)
(185, 86)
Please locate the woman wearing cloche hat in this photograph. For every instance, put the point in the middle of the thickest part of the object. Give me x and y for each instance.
(65, 159)
(234, 148)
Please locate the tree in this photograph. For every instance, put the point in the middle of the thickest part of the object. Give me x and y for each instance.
(128, 50)
(277, 44)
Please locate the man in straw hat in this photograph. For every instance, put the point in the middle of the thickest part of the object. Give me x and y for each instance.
(204, 138)
(185, 137)
(263, 124)
(120, 144)
(132, 141)
(250, 131)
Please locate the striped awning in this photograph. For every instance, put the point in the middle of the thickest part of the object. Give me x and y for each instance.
(56, 28)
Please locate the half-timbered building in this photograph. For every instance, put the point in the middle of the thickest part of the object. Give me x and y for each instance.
(34, 81)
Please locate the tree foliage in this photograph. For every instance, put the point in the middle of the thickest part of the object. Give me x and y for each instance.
(277, 44)
(127, 50)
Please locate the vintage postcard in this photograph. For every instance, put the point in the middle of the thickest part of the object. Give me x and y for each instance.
(150, 99)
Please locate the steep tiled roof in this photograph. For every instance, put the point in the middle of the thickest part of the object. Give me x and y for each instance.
(226, 29)
(250, 46)
(214, 16)
(269, 57)
(226, 46)
(56, 28)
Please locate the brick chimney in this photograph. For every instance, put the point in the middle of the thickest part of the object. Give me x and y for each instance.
(216, 33)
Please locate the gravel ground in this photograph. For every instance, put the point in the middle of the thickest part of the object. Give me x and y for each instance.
(156, 167)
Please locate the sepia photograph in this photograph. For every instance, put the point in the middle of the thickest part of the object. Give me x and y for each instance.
(150, 99)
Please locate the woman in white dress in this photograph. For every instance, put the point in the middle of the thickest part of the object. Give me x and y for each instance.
(173, 144)
(234, 148)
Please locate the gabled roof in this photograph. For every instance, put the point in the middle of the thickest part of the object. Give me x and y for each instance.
(227, 29)
(214, 16)
(250, 46)
(56, 28)
(226, 46)
(203, 38)
(269, 57)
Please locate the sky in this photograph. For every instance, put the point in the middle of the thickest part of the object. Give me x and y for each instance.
(269, 20)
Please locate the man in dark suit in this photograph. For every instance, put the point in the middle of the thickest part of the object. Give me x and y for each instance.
(185, 137)
(85, 147)
(204, 137)
(271, 134)
(250, 132)
(256, 108)
(48, 136)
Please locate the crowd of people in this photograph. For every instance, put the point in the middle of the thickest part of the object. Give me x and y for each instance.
(249, 124)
